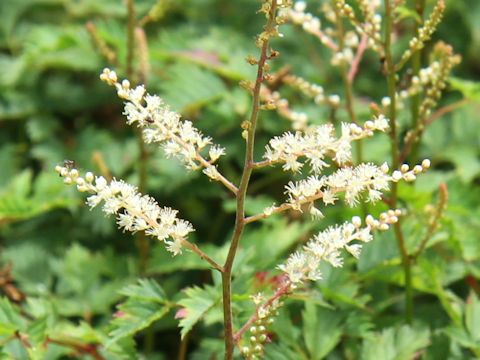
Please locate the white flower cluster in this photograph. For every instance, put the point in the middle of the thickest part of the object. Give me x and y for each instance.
(134, 211)
(313, 91)
(309, 23)
(318, 142)
(352, 181)
(161, 125)
(325, 246)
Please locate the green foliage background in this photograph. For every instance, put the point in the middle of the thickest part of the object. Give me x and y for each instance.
(75, 267)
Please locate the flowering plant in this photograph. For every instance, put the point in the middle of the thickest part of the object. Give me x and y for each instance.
(310, 144)
(321, 156)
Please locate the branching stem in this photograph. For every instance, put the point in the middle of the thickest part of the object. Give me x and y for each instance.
(242, 190)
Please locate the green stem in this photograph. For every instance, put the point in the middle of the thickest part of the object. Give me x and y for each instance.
(242, 192)
(391, 83)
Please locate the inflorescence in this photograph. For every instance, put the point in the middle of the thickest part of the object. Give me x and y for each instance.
(134, 211)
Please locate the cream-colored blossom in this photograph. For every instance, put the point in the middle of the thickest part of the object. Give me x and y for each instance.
(368, 179)
(134, 211)
(179, 138)
(318, 142)
(326, 246)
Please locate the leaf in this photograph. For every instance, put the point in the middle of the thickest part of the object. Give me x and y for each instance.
(280, 352)
(18, 202)
(466, 161)
(190, 88)
(469, 89)
(467, 334)
(321, 330)
(472, 317)
(395, 344)
(146, 304)
(272, 239)
(162, 261)
(10, 160)
(10, 319)
(198, 302)
(15, 105)
(404, 12)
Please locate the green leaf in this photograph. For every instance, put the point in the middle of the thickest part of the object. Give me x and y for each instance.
(467, 334)
(162, 261)
(10, 319)
(190, 88)
(147, 290)
(16, 105)
(395, 344)
(322, 330)
(469, 89)
(267, 243)
(146, 304)
(472, 317)
(404, 12)
(466, 161)
(198, 302)
(18, 201)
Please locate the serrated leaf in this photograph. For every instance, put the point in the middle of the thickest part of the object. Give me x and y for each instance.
(37, 330)
(321, 330)
(146, 304)
(190, 88)
(281, 352)
(146, 289)
(196, 305)
(19, 202)
(10, 319)
(395, 344)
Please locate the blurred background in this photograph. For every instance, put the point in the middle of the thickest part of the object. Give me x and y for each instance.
(57, 256)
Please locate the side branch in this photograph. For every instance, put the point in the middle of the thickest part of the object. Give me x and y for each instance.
(227, 183)
(283, 290)
(196, 250)
(184, 242)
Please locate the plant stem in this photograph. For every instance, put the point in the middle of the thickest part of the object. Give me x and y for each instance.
(242, 192)
(283, 290)
(391, 82)
(182, 351)
(435, 221)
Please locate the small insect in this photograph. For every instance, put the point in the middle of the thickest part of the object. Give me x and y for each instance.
(149, 120)
(69, 164)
